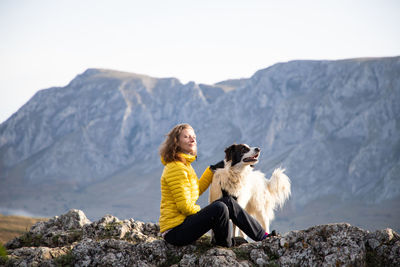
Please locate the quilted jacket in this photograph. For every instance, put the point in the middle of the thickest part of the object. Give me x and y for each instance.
(180, 189)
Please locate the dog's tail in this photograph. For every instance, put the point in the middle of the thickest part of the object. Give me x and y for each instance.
(279, 187)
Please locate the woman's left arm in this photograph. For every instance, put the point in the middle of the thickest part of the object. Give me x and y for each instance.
(205, 180)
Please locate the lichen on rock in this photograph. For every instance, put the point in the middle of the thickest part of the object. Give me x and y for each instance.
(71, 239)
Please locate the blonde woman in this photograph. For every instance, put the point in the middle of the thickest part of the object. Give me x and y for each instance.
(182, 221)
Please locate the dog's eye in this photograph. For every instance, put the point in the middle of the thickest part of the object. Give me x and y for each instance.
(244, 149)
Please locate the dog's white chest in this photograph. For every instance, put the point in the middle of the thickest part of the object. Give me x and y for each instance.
(233, 183)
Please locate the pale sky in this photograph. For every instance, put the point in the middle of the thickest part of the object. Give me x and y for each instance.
(46, 43)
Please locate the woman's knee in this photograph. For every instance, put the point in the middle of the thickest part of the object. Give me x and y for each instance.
(221, 208)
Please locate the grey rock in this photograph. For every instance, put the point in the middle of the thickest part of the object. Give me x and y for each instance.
(111, 227)
(322, 245)
(36, 256)
(259, 257)
(383, 247)
(58, 231)
(189, 260)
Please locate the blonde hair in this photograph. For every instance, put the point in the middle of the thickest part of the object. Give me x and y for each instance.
(169, 149)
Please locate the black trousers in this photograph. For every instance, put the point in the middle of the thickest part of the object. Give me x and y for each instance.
(215, 216)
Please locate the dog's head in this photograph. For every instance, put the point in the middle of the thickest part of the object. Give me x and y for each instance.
(243, 154)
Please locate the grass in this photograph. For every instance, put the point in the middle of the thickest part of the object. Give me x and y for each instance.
(3, 254)
(203, 244)
(30, 240)
(65, 260)
(13, 226)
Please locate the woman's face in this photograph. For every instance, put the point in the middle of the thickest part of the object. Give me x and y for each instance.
(187, 141)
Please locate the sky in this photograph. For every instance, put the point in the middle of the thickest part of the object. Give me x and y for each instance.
(46, 43)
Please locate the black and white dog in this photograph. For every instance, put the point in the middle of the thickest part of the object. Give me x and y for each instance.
(256, 194)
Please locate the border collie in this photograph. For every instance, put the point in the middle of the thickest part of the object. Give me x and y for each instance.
(256, 194)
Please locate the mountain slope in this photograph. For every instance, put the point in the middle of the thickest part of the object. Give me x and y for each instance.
(93, 145)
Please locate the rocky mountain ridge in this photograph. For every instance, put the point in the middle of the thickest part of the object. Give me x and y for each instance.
(71, 239)
(334, 126)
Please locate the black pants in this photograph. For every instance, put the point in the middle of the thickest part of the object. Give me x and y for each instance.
(216, 217)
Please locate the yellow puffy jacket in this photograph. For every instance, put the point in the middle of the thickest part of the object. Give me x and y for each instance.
(180, 189)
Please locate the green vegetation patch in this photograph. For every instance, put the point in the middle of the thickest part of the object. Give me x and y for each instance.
(203, 244)
(71, 236)
(3, 255)
(30, 240)
(241, 254)
(65, 260)
(110, 230)
(171, 259)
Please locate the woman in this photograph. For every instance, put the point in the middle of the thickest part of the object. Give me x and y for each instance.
(182, 221)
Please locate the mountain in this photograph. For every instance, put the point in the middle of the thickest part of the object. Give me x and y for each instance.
(93, 144)
(73, 240)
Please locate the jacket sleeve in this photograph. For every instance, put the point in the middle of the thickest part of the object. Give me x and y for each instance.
(205, 180)
(179, 184)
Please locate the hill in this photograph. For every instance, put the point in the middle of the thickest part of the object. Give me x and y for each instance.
(93, 144)
(12, 226)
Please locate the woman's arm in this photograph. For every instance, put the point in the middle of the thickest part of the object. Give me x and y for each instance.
(205, 180)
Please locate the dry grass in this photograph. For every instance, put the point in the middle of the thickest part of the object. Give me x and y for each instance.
(12, 226)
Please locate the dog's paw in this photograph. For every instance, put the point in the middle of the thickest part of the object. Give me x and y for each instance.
(273, 233)
(238, 240)
(219, 165)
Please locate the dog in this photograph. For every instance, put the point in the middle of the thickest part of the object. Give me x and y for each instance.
(259, 196)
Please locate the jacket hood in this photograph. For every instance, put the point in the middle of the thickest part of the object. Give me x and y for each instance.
(187, 157)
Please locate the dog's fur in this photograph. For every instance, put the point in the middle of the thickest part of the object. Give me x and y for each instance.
(256, 194)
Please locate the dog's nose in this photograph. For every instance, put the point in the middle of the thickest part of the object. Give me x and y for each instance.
(257, 149)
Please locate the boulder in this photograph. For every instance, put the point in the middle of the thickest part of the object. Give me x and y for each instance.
(113, 242)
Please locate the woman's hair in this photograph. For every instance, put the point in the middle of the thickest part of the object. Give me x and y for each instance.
(169, 149)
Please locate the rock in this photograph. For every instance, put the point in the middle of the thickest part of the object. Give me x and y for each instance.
(383, 248)
(189, 260)
(111, 227)
(220, 257)
(259, 257)
(112, 242)
(328, 245)
(56, 232)
(37, 256)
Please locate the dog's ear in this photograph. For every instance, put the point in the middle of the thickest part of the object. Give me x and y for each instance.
(229, 152)
(236, 155)
(233, 154)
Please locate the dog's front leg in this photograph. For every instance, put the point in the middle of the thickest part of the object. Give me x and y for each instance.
(263, 219)
(237, 232)
(214, 194)
(215, 191)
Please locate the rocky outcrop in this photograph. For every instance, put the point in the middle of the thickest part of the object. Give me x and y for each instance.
(71, 239)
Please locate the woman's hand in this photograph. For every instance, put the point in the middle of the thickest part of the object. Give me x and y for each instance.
(220, 165)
